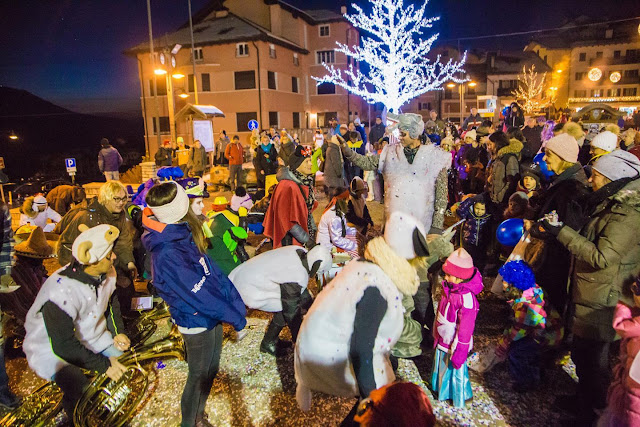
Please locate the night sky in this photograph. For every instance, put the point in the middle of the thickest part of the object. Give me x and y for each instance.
(70, 51)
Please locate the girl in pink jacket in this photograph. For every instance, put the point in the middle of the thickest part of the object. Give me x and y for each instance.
(453, 328)
(624, 393)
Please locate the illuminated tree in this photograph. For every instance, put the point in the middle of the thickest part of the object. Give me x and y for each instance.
(531, 90)
(399, 69)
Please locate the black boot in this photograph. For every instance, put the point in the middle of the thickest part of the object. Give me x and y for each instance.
(290, 295)
(269, 343)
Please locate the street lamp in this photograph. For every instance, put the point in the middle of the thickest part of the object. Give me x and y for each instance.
(13, 136)
(461, 92)
(168, 60)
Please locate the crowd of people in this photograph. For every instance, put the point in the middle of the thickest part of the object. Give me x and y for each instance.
(388, 291)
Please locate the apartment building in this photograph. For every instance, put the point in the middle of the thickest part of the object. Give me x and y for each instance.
(254, 61)
(599, 62)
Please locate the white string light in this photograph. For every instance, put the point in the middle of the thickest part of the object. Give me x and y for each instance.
(399, 67)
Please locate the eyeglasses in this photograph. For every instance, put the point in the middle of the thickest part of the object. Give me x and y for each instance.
(120, 199)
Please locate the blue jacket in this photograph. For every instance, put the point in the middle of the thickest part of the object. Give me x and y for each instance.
(476, 230)
(198, 293)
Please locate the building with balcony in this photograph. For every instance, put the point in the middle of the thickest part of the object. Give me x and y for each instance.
(254, 60)
(600, 62)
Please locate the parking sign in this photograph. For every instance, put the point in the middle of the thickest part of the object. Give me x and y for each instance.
(70, 164)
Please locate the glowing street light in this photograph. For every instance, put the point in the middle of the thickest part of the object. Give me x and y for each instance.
(183, 95)
(472, 84)
(13, 136)
(177, 75)
(559, 71)
(451, 85)
(160, 71)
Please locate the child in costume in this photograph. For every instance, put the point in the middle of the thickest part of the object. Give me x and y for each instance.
(623, 401)
(357, 212)
(333, 231)
(36, 211)
(75, 321)
(265, 285)
(200, 296)
(533, 327)
(453, 328)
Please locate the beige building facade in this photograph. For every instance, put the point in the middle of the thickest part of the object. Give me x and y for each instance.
(254, 60)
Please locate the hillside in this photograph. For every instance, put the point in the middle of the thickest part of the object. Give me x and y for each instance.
(49, 133)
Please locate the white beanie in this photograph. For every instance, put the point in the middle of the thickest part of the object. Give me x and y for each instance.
(564, 146)
(606, 141)
(39, 200)
(617, 165)
(398, 233)
(471, 134)
(95, 243)
(175, 210)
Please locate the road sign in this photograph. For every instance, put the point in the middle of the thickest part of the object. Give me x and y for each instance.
(252, 125)
(71, 165)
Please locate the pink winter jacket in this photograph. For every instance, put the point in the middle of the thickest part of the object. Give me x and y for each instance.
(624, 393)
(456, 319)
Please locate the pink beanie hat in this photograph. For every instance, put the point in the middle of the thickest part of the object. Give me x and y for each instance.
(565, 146)
(459, 264)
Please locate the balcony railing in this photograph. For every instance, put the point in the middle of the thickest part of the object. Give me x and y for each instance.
(621, 60)
(505, 91)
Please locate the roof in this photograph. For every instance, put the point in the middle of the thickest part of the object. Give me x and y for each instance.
(323, 15)
(199, 111)
(512, 62)
(212, 31)
(584, 32)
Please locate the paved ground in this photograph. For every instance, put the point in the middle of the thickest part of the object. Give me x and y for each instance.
(253, 389)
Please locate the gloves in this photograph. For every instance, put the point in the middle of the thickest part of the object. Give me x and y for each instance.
(550, 228)
(298, 233)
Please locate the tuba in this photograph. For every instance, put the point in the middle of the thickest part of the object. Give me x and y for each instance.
(37, 409)
(112, 403)
(145, 325)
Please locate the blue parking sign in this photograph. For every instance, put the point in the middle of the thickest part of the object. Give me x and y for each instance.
(252, 125)
(70, 164)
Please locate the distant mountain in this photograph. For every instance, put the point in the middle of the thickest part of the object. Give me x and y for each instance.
(49, 133)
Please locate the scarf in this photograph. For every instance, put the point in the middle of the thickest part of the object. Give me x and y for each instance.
(309, 181)
(401, 272)
(342, 196)
(411, 153)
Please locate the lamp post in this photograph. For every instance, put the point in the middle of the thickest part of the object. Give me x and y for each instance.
(461, 93)
(168, 59)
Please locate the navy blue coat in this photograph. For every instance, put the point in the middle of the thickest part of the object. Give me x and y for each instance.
(198, 293)
(476, 230)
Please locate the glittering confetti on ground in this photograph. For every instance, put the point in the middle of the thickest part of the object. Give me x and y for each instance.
(255, 389)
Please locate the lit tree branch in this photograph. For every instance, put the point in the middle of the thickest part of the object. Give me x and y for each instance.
(530, 90)
(397, 57)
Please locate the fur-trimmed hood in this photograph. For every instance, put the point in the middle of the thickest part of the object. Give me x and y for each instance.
(515, 147)
(399, 270)
(629, 195)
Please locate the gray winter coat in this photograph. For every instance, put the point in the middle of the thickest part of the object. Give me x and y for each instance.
(333, 167)
(197, 159)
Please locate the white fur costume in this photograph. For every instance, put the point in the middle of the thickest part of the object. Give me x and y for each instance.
(258, 280)
(409, 188)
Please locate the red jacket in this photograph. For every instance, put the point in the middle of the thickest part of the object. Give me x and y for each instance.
(287, 208)
(234, 153)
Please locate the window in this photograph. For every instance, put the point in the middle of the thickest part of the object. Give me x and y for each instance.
(614, 92)
(243, 119)
(579, 76)
(633, 53)
(206, 82)
(197, 54)
(630, 91)
(190, 82)
(323, 118)
(161, 84)
(508, 84)
(324, 31)
(608, 33)
(598, 55)
(296, 120)
(326, 56)
(294, 84)
(616, 54)
(326, 89)
(629, 74)
(164, 124)
(595, 93)
(296, 61)
(245, 79)
(273, 118)
(583, 56)
(424, 106)
(271, 80)
(242, 49)
(272, 51)
(580, 93)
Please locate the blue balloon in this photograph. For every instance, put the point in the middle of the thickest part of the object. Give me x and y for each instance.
(543, 166)
(510, 231)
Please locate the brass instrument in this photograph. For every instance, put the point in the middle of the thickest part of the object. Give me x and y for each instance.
(145, 325)
(112, 403)
(37, 409)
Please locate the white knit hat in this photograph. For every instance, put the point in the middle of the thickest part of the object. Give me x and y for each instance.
(606, 141)
(408, 122)
(617, 165)
(399, 233)
(93, 244)
(39, 200)
(175, 210)
(564, 146)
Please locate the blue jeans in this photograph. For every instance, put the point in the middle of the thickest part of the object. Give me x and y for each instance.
(524, 362)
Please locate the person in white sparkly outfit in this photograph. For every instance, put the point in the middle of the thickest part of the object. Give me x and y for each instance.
(415, 181)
